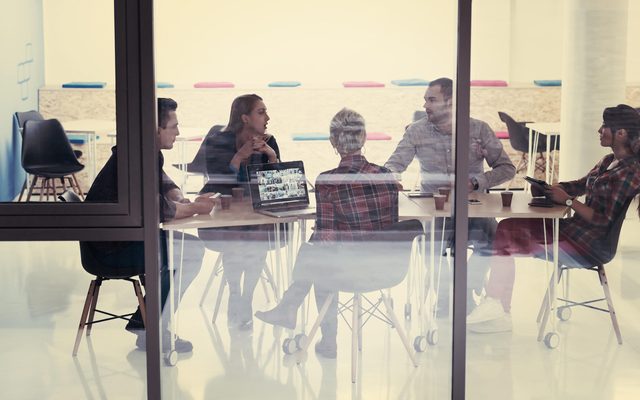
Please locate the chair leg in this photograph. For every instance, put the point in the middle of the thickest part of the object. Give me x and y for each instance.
(143, 309)
(214, 273)
(355, 328)
(24, 188)
(316, 325)
(94, 304)
(83, 318)
(216, 308)
(79, 191)
(545, 299)
(399, 329)
(607, 294)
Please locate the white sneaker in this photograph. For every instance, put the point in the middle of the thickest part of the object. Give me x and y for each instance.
(502, 324)
(488, 310)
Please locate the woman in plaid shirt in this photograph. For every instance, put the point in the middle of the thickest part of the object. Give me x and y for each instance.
(608, 187)
(352, 200)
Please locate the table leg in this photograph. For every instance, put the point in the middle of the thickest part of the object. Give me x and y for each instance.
(172, 306)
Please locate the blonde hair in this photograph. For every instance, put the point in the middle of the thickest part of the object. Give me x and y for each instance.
(347, 131)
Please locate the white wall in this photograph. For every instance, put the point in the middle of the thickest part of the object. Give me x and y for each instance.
(252, 42)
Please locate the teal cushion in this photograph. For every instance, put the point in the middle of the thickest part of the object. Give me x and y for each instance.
(284, 84)
(84, 85)
(548, 82)
(410, 82)
(310, 136)
(164, 85)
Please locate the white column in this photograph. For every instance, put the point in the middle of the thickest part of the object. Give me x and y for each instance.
(593, 77)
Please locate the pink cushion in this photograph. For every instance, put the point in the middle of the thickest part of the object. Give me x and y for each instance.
(488, 83)
(377, 136)
(213, 85)
(502, 135)
(357, 84)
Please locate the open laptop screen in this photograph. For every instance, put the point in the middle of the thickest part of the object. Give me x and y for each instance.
(278, 184)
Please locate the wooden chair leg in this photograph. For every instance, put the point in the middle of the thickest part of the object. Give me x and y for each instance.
(607, 294)
(79, 191)
(316, 325)
(214, 273)
(33, 184)
(143, 310)
(24, 188)
(94, 304)
(83, 318)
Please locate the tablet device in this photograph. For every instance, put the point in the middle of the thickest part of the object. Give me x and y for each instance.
(538, 186)
(541, 201)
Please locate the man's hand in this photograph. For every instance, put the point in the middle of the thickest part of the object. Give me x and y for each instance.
(557, 194)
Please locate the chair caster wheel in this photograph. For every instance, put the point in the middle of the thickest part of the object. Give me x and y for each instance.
(551, 340)
(564, 313)
(407, 312)
(432, 337)
(420, 344)
(289, 346)
(171, 358)
(300, 340)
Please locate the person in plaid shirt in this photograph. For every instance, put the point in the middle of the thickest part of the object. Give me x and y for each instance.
(608, 187)
(352, 200)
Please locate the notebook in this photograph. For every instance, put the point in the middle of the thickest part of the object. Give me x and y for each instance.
(279, 189)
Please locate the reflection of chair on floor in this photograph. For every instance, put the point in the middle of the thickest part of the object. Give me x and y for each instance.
(102, 273)
(519, 139)
(47, 155)
(595, 262)
(360, 267)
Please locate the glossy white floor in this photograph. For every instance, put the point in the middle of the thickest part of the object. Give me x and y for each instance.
(43, 289)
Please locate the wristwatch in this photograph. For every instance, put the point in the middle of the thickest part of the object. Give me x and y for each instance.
(568, 202)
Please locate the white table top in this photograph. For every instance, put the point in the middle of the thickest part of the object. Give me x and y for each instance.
(548, 128)
(241, 213)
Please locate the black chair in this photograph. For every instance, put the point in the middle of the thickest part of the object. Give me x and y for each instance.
(47, 155)
(22, 118)
(102, 273)
(357, 268)
(519, 139)
(594, 261)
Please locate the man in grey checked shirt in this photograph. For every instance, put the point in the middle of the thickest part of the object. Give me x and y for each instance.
(430, 140)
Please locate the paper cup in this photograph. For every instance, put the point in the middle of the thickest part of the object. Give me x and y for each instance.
(507, 196)
(439, 200)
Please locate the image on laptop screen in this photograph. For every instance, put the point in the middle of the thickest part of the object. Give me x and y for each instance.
(278, 184)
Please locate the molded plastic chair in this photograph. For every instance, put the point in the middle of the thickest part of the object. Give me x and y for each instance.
(594, 261)
(102, 273)
(47, 155)
(519, 139)
(359, 267)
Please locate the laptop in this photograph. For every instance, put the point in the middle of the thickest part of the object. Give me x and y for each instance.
(279, 189)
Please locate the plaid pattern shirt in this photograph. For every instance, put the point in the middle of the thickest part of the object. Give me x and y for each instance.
(607, 191)
(353, 199)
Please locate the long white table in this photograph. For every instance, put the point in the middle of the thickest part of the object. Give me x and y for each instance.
(423, 209)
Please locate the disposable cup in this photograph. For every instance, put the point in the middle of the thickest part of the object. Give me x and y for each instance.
(439, 200)
(225, 201)
(507, 196)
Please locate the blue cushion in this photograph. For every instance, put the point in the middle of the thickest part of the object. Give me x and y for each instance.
(84, 85)
(284, 84)
(548, 82)
(310, 136)
(164, 85)
(410, 82)
(77, 139)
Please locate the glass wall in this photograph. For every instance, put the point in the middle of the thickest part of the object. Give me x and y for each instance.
(545, 102)
(64, 57)
(250, 310)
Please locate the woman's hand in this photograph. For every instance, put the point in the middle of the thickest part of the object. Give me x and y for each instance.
(261, 146)
(557, 194)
